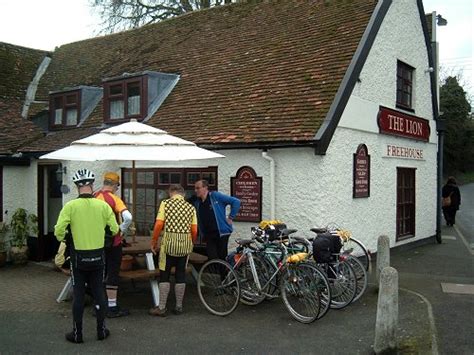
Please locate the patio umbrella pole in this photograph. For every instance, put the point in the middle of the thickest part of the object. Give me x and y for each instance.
(134, 199)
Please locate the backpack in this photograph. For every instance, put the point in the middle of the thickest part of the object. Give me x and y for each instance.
(324, 246)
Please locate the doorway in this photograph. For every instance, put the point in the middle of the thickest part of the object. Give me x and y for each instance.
(49, 206)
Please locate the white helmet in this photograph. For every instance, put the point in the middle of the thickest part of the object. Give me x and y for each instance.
(83, 177)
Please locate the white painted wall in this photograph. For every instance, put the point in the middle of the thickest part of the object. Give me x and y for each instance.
(19, 189)
(400, 38)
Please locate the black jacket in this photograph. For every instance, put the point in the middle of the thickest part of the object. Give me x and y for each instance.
(453, 191)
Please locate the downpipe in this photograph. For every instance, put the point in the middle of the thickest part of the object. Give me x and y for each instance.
(272, 183)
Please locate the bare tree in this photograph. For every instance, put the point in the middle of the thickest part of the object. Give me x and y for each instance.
(118, 15)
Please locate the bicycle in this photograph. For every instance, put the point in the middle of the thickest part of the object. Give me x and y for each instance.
(342, 277)
(273, 256)
(300, 296)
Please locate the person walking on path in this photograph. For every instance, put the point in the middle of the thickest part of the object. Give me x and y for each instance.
(113, 253)
(451, 200)
(178, 219)
(214, 226)
(86, 217)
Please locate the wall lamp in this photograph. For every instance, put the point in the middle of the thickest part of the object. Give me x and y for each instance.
(441, 21)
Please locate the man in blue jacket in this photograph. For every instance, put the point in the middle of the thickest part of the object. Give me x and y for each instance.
(214, 225)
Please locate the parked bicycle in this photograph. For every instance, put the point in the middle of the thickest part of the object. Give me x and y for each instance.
(339, 271)
(219, 282)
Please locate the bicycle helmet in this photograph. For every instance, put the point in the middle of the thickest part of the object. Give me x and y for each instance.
(83, 177)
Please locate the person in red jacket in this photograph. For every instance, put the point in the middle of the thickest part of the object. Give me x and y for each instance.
(113, 253)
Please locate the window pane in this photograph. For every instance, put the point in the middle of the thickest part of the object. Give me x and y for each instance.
(164, 178)
(115, 90)
(162, 194)
(71, 117)
(58, 102)
(134, 105)
(141, 177)
(133, 93)
(150, 197)
(150, 178)
(140, 196)
(71, 99)
(126, 196)
(175, 178)
(127, 177)
(150, 216)
(210, 177)
(58, 116)
(193, 177)
(116, 109)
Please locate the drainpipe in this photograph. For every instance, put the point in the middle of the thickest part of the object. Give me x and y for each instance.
(272, 183)
(437, 20)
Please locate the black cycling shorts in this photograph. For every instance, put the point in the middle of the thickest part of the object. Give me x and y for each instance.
(113, 259)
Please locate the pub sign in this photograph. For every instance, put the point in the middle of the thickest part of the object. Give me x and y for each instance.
(247, 187)
(361, 172)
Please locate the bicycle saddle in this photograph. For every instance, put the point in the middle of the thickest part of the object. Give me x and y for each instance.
(286, 232)
(318, 230)
(244, 242)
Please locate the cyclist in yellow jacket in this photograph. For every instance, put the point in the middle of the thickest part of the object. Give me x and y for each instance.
(86, 217)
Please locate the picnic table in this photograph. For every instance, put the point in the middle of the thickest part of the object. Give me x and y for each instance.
(141, 246)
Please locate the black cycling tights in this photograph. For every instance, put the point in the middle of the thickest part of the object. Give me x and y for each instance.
(95, 279)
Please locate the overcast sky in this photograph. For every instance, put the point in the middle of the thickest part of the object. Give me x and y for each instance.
(45, 24)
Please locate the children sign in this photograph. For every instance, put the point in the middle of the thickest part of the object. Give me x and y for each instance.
(247, 187)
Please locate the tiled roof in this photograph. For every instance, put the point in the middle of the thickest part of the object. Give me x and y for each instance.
(249, 73)
(58, 139)
(15, 130)
(18, 66)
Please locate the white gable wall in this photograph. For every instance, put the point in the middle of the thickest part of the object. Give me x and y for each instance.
(400, 37)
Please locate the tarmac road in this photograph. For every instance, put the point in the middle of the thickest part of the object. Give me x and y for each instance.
(465, 215)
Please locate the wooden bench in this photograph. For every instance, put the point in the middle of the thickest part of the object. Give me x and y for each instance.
(194, 259)
(146, 274)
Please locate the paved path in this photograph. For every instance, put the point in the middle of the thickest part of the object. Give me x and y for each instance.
(465, 215)
(32, 322)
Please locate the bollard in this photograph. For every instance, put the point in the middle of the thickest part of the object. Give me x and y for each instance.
(386, 323)
(383, 255)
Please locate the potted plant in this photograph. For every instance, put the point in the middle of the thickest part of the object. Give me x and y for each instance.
(3, 244)
(22, 224)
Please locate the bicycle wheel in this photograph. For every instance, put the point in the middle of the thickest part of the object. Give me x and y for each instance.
(300, 293)
(361, 276)
(356, 248)
(324, 289)
(218, 287)
(343, 284)
(250, 295)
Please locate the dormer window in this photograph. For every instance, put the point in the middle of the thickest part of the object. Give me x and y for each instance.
(64, 108)
(125, 99)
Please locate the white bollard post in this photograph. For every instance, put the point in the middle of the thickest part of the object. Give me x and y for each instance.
(386, 323)
(383, 255)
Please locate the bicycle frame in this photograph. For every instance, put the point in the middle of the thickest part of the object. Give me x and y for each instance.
(248, 252)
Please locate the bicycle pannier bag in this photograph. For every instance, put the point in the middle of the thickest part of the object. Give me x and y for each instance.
(324, 246)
